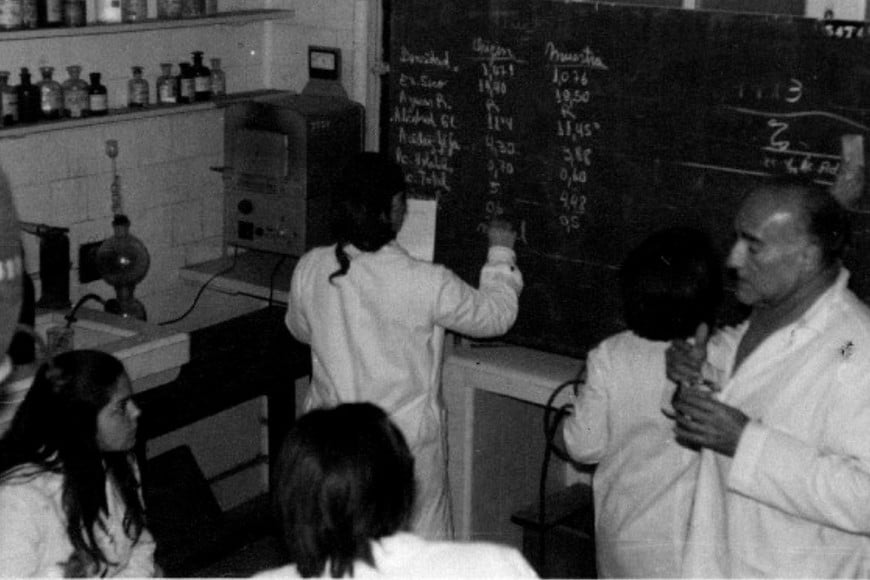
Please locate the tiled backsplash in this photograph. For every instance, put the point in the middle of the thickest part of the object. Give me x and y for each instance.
(169, 189)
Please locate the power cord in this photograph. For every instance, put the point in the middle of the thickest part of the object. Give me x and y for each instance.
(552, 420)
(202, 289)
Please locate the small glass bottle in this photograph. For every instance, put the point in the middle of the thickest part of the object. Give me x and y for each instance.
(185, 83)
(134, 10)
(75, 93)
(29, 14)
(50, 94)
(50, 13)
(28, 98)
(98, 96)
(107, 11)
(10, 14)
(74, 12)
(218, 79)
(137, 89)
(169, 9)
(201, 78)
(192, 8)
(167, 85)
(8, 100)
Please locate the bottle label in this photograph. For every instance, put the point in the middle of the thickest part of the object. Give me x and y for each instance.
(166, 92)
(98, 102)
(9, 105)
(75, 101)
(54, 11)
(138, 94)
(51, 101)
(218, 85)
(202, 84)
(186, 88)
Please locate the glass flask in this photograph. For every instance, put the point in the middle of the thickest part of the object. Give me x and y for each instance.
(50, 94)
(167, 85)
(98, 96)
(8, 100)
(137, 89)
(218, 78)
(75, 93)
(201, 78)
(123, 261)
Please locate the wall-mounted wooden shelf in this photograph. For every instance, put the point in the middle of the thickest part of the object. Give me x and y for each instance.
(127, 114)
(224, 18)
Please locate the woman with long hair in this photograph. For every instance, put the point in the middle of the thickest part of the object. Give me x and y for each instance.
(70, 501)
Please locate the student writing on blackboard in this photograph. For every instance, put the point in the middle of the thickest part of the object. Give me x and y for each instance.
(375, 319)
(643, 485)
(784, 472)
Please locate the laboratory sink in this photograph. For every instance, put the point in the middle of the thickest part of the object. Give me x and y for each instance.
(152, 354)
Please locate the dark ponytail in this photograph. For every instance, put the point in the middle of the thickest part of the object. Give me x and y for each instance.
(368, 185)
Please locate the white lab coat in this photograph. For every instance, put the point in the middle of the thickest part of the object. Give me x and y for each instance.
(408, 556)
(795, 498)
(643, 485)
(377, 335)
(33, 537)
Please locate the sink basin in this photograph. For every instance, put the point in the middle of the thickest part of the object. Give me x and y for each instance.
(152, 354)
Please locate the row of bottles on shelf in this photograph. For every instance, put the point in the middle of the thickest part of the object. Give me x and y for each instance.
(24, 14)
(47, 99)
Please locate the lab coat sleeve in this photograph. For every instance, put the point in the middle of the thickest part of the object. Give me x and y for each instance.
(586, 429)
(296, 319)
(490, 310)
(830, 485)
(141, 563)
(23, 512)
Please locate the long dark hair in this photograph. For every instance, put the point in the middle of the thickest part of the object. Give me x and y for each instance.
(368, 184)
(345, 477)
(55, 430)
(671, 283)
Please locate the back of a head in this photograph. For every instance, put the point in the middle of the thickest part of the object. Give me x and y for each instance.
(671, 283)
(369, 181)
(826, 221)
(345, 477)
(57, 420)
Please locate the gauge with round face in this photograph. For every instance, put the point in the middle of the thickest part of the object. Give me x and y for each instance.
(323, 63)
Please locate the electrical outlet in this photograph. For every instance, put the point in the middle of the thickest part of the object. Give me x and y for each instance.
(88, 271)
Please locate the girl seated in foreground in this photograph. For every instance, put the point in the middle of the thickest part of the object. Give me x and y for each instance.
(69, 488)
(345, 493)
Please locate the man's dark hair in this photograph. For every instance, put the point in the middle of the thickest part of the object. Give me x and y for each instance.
(345, 477)
(671, 283)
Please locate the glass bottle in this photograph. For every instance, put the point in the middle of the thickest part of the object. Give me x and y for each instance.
(75, 93)
(218, 79)
(107, 11)
(134, 10)
(169, 9)
(8, 100)
(74, 12)
(10, 14)
(28, 98)
(185, 83)
(192, 8)
(137, 89)
(201, 78)
(167, 85)
(29, 11)
(50, 94)
(49, 13)
(98, 96)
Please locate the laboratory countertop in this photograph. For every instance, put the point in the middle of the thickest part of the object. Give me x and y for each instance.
(262, 275)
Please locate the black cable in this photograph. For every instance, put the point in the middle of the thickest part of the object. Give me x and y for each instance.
(201, 290)
(272, 279)
(551, 425)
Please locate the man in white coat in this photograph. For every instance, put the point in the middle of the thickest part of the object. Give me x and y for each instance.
(784, 480)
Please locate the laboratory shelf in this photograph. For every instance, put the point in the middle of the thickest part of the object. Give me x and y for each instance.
(223, 18)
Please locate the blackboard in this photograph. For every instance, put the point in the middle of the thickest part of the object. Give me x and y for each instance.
(592, 125)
